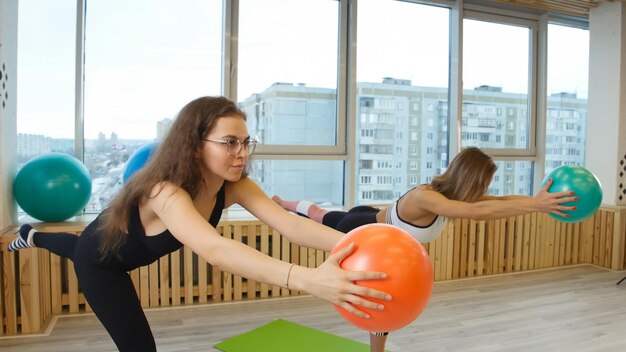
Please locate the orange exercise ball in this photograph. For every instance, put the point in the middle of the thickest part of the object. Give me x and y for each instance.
(389, 249)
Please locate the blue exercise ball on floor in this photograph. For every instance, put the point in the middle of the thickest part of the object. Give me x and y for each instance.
(52, 187)
(138, 159)
(585, 186)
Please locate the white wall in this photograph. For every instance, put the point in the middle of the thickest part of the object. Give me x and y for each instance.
(8, 129)
(606, 124)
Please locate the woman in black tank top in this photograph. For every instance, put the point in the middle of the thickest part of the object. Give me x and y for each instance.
(177, 199)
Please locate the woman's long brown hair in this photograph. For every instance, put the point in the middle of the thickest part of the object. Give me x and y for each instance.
(174, 161)
(468, 176)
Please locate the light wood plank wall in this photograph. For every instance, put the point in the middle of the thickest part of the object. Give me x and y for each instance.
(36, 284)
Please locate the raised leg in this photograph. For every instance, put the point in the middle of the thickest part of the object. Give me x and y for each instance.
(302, 207)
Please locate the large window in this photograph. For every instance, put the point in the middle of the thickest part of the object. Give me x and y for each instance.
(401, 97)
(287, 83)
(351, 100)
(287, 72)
(496, 89)
(319, 181)
(144, 60)
(46, 79)
(567, 80)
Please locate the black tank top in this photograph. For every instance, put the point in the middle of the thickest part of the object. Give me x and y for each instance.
(139, 249)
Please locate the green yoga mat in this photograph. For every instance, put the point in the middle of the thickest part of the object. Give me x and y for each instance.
(285, 336)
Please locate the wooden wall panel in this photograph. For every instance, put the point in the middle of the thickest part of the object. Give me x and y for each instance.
(36, 284)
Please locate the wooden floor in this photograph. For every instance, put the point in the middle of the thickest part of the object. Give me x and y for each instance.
(572, 309)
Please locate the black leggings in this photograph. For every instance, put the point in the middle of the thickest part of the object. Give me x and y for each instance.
(107, 287)
(346, 221)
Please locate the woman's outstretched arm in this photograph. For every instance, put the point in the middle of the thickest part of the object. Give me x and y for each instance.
(175, 208)
(495, 207)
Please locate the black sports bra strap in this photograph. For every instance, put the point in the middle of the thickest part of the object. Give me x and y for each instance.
(216, 215)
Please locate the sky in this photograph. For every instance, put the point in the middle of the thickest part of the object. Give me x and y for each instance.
(145, 59)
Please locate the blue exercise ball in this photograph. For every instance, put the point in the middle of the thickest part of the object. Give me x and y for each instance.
(584, 184)
(52, 187)
(138, 159)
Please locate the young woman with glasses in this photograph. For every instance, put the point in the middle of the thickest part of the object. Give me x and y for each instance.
(177, 199)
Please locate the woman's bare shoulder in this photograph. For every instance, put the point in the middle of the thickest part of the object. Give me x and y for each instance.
(422, 191)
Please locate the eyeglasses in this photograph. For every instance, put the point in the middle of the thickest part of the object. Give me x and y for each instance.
(233, 146)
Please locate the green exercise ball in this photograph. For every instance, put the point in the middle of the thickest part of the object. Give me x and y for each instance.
(585, 186)
(52, 187)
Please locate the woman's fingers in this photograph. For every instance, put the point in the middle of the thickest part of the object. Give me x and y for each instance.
(567, 198)
(352, 309)
(564, 196)
(365, 275)
(560, 213)
(350, 295)
(546, 187)
(342, 253)
(559, 203)
(354, 302)
(359, 300)
(567, 207)
(364, 291)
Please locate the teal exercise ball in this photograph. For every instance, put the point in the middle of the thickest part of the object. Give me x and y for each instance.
(52, 187)
(138, 159)
(584, 184)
